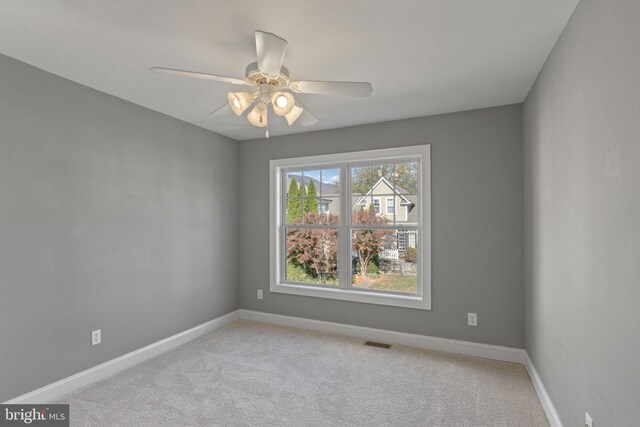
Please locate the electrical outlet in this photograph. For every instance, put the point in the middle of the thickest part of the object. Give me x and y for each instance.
(259, 293)
(96, 337)
(472, 319)
(588, 421)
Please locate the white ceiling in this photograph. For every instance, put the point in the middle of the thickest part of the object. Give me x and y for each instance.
(423, 57)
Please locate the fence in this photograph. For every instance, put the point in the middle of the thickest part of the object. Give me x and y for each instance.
(388, 254)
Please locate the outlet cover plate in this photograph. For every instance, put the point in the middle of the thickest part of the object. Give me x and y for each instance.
(472, 319)
(96, 337)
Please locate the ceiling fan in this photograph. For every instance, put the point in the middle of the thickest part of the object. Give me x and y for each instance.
(270, 85)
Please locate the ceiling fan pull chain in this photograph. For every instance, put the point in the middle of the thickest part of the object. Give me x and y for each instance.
(266, 134)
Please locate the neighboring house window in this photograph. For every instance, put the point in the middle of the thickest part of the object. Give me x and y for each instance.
(412, 240)
(401, 241)
(391, 207)
(329, 237)
(376, 205)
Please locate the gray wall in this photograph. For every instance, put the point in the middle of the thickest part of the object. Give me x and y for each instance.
(477, 224)
(582, 186)
(112, 216)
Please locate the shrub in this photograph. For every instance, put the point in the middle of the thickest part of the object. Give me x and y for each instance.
(411, 255)
(372, 268)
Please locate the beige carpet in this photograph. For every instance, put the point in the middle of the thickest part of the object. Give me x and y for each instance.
(252, 374)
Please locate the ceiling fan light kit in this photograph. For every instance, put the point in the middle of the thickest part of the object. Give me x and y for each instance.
(240, 101)
(282, 103)
(272, 85)
(258, 116)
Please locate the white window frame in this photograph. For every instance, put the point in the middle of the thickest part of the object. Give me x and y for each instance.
(391, 205)
(421, 153)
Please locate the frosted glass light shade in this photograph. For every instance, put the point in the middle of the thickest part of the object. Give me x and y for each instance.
(293, 115)
(282, 103)
(239, 101)
(258, 116)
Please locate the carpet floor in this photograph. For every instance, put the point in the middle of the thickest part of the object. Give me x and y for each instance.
(254, 374)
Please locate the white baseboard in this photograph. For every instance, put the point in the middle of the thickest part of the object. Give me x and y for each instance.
(543, 395)
(495, 352)
(487, 351)
(50, 393)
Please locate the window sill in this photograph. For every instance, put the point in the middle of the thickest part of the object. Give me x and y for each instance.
(406, 301)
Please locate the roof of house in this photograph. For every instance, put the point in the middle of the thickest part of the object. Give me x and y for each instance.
(327, 189)
(399, 190)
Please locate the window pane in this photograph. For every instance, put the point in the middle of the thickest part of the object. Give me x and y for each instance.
(329, 208)
(310, 191)
(291, 188)
(370, 187)
(385, 260)
(330, 182)
(312, 256)
(405, 179)
(293, 198)
(362, 180)
(405, 176)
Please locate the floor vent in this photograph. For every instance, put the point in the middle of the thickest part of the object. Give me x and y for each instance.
(377, 344)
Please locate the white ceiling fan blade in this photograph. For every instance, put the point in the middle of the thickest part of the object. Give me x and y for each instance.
(198, 75)
(362, 89)
(306, 118)
(270, 49)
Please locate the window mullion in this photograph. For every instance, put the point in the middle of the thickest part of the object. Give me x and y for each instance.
(345, 208)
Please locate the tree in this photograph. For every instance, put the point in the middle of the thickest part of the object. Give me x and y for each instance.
(404, 175)
(311, 199)
(411, 255)
(294, 203)
(367, 242)
(316, 250)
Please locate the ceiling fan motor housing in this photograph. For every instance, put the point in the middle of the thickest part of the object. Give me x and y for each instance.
(254, 75)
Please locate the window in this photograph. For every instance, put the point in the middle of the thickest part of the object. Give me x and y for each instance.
(332, 237)
(376, 205)
(401, 241)
(391, 207)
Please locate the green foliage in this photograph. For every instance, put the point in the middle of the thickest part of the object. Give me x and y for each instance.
(411, 255)
(297, 273)
(396, 283)
(311, 199)
(372, 268)
(404, 175)
(294, 203)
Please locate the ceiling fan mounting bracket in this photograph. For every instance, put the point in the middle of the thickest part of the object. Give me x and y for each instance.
(254, 76)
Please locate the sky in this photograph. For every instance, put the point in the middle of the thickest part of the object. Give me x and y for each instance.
(329, 176)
